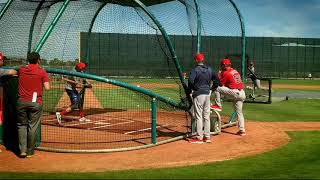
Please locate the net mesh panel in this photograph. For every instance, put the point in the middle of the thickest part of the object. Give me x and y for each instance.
(15, 26)
(221, 30)
(126, 45)
(119, 118)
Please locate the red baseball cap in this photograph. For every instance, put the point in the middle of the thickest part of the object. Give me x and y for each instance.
(81, 66)
(225, 62)
(199, 57)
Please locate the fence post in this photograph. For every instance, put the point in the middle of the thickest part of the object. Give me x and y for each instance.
(154, 121)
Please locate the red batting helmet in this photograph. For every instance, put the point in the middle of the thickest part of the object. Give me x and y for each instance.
(1, 56)
(81, 66)
(199, 57)
(225, 62)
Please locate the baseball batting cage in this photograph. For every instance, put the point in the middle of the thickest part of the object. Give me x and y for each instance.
(138, 55)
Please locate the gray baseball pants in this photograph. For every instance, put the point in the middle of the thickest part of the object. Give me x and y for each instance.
(28, 122)
(238, 98)
(201, 105)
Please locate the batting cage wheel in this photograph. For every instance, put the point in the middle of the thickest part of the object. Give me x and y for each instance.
(215, 121)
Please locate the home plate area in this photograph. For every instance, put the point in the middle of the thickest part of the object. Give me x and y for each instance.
(104, 122)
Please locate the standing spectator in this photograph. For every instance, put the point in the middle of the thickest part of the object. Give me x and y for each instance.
(32, 79)
(231, 84)
(72, 83)
(200, 80)
(4, 72)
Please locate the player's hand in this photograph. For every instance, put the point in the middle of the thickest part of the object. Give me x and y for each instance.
(87, 86)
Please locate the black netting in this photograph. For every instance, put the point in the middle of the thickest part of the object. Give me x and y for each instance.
(120, 41)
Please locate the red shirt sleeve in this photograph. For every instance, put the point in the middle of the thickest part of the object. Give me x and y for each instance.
(223, 77)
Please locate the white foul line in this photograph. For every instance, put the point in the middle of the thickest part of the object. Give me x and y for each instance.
(130, 132)
(130, 121)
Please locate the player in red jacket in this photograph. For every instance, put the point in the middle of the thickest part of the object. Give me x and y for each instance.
(231, 84)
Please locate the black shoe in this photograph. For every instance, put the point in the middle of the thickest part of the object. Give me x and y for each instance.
(23, 155)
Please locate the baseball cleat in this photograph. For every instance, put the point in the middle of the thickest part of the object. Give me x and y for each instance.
(23, 155)
(207, 140)
(195, 141)
(214, 107)
(83, 119)
(58, 116)
(241, 133)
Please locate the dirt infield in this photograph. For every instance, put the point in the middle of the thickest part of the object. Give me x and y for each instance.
(261, 137)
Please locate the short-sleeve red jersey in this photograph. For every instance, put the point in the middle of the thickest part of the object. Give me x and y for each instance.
(231, 79)
(31, 79)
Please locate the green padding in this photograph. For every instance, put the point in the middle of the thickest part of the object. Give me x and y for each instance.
(10, 132)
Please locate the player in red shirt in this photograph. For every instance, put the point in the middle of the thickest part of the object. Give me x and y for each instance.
(32, 80)
(231, 84)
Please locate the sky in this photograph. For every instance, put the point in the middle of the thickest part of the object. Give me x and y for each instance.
(280, 18)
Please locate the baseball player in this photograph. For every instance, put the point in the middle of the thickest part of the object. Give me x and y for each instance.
(231, 84)
(254, 78)
(72, 83)
(201, 80)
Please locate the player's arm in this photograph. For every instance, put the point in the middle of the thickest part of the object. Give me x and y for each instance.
(69, 80)
(223, 78)
(216, 81)
(12, 72)
(191, 80)
(45, 80)
(46, 85)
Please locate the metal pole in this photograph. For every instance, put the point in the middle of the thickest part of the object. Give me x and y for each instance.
(87, 55)
(5, 8)
(52, 25)
(154, 121)
(198, 26)
(243, 64)
(35, 15)
(270, 92)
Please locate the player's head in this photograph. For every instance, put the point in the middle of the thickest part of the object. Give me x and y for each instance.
(251, 63)
(33, 58)
(199, 58)
(225, 63)
(80, 66)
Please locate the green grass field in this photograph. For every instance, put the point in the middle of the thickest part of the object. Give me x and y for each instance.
(51, 98)
(298, 160)
(124, 99)
(297, 82)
